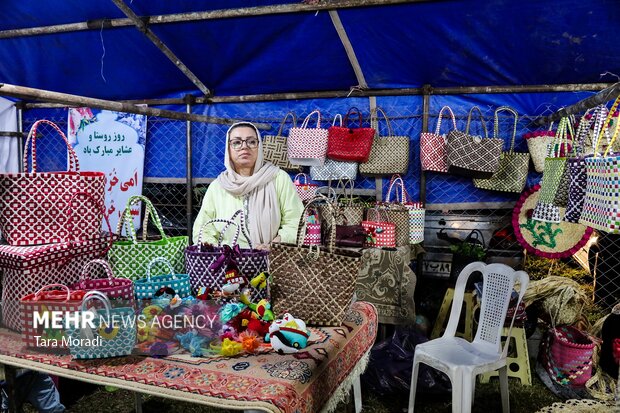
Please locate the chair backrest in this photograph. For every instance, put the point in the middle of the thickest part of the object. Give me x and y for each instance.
(498, 284)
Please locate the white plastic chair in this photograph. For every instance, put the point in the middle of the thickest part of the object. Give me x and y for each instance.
(461, 360)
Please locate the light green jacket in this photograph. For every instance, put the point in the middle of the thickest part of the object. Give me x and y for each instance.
(219, 203)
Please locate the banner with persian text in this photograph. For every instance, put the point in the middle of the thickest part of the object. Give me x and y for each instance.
(111, 142)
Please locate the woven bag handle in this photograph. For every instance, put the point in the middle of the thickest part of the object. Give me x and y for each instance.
(106, 266)
(404, 196)
(610, 115)
(242, 225)
(377, 215)
(559, 139)
(484, 126)
(70, 214)
(338, 116)
(302, 225)
(331, 196)
(32, 140)
(157, 261)
(374, 121)
(304, 125)
(36, 295)
(438, 127)
(343, 183)
(514, 127)
(351, 111)
(298, 181)
(599, 125)
(97, 295)
(582, 130)
(127, 219)
(291, 114)
(228, 223)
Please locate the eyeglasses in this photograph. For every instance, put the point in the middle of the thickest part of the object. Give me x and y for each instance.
(237, 144)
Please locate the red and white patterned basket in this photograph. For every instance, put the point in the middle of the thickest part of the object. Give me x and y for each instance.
(305, 190)
(35, 206)
(433, 146)
(307, 146)
(113, 288)
(47, 301)
(380, 232)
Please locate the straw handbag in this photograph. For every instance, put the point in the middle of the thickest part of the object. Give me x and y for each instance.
(601, 209)
(350, 144)
(389, 154)
(35, 206)
(555, 165)
(334, 170)
(538, 143)
(274, 147)
(473, 156)
(314, 283)
(512, 173)
(307, 146)
(433, 146)
(577, 164)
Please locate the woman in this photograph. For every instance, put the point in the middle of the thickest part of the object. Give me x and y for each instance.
(264, 192)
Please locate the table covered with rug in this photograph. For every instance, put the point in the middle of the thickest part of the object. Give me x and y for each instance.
(312, 380)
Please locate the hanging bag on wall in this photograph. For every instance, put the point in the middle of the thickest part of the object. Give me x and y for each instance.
(473, 156)
(113, 288)
(350, 144)
(576, 164)
(307, 146)
(145, 288)
(398, 211)
(274, 147)
(545, 209)
(334, 170)
(113, 328)
(316, 284)
(538, 143)
(561, 195)
(130, 258)
(601, 209)
(389, 154)
(512, 173)
(34, 206)
(433, 146)
(305, 190)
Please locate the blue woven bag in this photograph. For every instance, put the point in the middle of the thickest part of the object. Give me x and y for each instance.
(145, 288)
(113, 331)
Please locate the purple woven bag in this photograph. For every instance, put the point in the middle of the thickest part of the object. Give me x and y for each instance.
(206, 265)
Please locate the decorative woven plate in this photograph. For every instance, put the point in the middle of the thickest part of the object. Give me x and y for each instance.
(546, 239)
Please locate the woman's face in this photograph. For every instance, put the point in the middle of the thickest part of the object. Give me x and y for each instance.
(243, 148)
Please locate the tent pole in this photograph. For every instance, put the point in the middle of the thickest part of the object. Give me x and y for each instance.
(601, 97)
(204, 15)
(143, 27)
(188, 165)
(74, 100)
(586, 87)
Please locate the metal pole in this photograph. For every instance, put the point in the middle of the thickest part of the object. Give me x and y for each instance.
(204, 15)
(426, 104)
(143, 27)
(357, 92)
(20, 141)
(601, 97)
(75, 100)
(188, 163)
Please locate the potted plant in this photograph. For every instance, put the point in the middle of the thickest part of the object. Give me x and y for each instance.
(465, 252)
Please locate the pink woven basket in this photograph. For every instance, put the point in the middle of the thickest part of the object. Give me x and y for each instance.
(569, 356)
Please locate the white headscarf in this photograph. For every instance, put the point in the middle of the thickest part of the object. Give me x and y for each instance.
(263, 214)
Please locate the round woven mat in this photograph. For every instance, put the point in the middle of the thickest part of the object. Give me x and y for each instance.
(546, 239)
(579, 406)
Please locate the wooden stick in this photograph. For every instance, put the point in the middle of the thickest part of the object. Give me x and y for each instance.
(204, 15)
